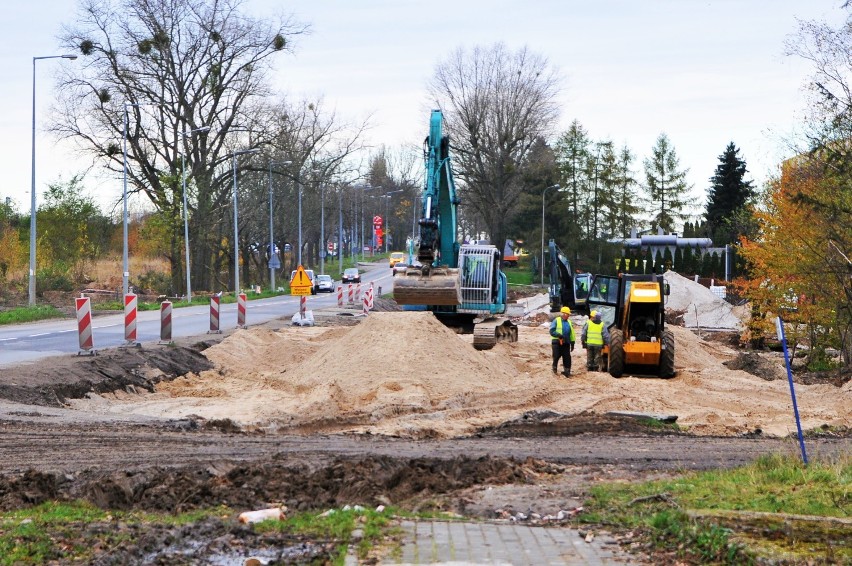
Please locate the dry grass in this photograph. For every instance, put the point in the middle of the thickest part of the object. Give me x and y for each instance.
(106, 273)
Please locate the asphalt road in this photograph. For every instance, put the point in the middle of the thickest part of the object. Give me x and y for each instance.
(38, 340)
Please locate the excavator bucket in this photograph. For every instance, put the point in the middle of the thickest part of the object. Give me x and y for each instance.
(439, 287)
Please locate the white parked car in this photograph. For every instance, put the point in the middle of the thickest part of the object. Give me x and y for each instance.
(400, 268)
(325, 284)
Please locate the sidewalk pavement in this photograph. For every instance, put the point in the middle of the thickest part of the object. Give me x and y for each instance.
(453, 542)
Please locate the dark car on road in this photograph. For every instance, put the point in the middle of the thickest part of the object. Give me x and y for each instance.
(351, 275)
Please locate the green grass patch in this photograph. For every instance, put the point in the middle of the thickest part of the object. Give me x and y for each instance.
(519, 276)
(61, 532)
(29, 314)
(673, 514)
(32, 536)
(338, 524)
(77, 531)
(658, 425)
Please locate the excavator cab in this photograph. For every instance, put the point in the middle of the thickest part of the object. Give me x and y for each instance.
(567, 288)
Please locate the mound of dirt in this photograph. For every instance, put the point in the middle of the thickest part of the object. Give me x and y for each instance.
(754, 364)
(120, 369)
(406, 374)
(698, 305)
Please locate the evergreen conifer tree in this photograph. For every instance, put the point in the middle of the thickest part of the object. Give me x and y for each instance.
(729, 193)
(667, 188)
(678, 261)
(668, 259)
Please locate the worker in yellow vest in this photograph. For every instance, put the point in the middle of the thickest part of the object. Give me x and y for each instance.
(562, 340)
(593, 337)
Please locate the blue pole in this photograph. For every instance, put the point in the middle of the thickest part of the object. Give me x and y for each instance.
(779, 327)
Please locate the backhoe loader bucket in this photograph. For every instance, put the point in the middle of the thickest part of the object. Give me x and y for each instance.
(439, 287)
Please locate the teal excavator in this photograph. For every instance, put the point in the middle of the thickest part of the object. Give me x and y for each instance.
(462, 285)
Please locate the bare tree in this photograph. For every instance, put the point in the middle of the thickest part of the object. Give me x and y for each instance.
(496, 103)
(154, 71)
(323, 151)
(399, 174)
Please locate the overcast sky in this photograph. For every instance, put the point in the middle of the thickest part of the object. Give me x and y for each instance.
(704, 72)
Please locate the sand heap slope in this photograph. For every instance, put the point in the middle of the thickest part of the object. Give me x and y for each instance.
(701, 307)
(394, 373)
(404, 373)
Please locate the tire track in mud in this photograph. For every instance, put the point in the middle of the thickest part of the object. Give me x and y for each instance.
(583, 440)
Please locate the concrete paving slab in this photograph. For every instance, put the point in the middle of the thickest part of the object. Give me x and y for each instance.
(469, 543)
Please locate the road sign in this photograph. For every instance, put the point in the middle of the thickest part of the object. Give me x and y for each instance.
(274, 262)
(301, 284)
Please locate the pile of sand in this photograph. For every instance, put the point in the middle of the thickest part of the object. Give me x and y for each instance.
(394, 373)
(701, 307)
(404, 373)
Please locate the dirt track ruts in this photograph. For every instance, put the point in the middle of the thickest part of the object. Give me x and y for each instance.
(75, 448)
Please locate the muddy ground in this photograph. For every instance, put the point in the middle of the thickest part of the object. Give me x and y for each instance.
(540, 461)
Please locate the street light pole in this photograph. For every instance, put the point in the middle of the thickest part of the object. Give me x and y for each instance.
(544, 192)
(339, 229)
(186, 211)
(32, 281)
(324, 248)
(300, 219)
(413, 230)
(323, 244)
(363, 189)
(125, 276)
(387, 215)
(271, 233)
(236, 221)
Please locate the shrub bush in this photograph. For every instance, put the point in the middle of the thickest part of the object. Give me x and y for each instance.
(155, 283)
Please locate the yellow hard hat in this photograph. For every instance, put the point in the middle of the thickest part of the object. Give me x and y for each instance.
(566, 310)
(592, 314)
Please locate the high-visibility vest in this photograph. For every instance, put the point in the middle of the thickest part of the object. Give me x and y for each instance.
(594, 333)
(569, 337)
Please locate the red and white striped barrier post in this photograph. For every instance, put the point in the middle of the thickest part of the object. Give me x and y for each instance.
(166, 322)
(214, 315)
(130, 312)
(84, 324)
(340, 296)
(370, 294)
(366, 303)
(358, 295)
(241, 310)
(351, 300)
(303, 306)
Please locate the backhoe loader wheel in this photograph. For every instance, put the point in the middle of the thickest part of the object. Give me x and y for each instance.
(616, 353)
(667, 367)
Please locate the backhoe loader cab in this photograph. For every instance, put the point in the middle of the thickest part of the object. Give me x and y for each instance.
(633, 307)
